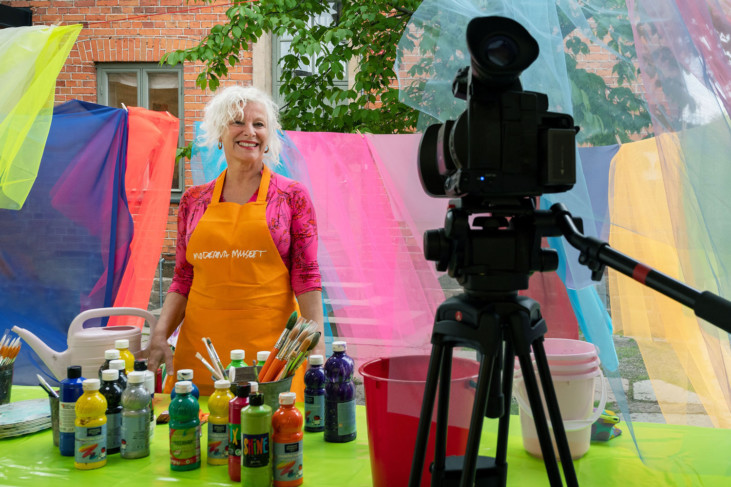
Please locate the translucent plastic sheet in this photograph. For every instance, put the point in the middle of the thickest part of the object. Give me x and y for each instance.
(153, 138)
(64, 252)
(670, 208)
(30, 60)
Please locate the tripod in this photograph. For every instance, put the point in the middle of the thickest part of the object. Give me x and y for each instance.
(499, 327)
(492, 319)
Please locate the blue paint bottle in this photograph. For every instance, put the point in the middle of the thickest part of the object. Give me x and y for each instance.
(70, 391)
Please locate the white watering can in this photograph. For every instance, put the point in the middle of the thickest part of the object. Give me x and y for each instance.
(86, 346)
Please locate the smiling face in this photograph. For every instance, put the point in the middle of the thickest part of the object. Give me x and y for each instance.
(246, 138)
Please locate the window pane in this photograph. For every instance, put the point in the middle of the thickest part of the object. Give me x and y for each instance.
(164, 92)
(122, 89)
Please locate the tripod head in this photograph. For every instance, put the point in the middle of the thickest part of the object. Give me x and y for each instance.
(499, 249)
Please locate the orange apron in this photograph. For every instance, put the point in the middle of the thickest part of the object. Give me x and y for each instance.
(241, 295)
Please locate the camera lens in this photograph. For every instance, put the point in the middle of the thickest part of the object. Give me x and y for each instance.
(499, 50)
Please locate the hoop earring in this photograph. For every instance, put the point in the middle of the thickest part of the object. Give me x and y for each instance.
(266, 150)
(220, 145)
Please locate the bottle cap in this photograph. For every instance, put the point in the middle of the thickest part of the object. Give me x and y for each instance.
(90, 385)
(73, 371)
(243, 389)
(183, 386)
(287, 398)
(262, 356)
(117, 364)
(121, 343)
(339, 346)
(238, 354)
(316, 359)
(110, 374)
(136, 377)
(140, 365)
(254, 387)
(111, 354)
(222, 384)
(185, 374)
(256, 399)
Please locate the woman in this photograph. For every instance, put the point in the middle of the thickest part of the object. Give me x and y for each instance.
(247, 246)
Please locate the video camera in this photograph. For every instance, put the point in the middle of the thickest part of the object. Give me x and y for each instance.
(506, 143)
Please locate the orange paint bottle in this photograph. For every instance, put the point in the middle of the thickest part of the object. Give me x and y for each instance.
(287, 439)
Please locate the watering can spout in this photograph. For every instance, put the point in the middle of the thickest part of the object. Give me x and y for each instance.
(55, 361)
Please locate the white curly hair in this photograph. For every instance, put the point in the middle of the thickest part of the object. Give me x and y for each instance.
(229, 105)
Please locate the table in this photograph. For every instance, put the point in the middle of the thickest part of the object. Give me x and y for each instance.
(675, 455)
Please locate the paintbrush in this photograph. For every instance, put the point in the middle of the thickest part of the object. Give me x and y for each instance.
(281, 358)
(304, 353)
(215, 361)
(210, 368)
(42, 382)
(277, 346)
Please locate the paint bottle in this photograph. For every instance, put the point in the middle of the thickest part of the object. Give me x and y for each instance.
(141, 366)
(70, 391)
(90, 444)
(185, 429)
(135, 418)
(256, 436)
(234, 430)
(339, 396)
(186, 375)
(315, 395)
(129, 359)
(118, 364)
(237, 359)
(261, 357)
(113, 394)
(287, 442)
(109, 355)
(218, 423)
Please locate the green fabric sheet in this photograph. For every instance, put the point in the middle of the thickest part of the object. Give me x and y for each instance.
(33, 460)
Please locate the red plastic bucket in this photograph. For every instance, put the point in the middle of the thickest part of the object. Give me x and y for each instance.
(394, 389)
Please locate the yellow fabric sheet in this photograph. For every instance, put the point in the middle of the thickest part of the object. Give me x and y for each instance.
(30, 60)
(655, 220)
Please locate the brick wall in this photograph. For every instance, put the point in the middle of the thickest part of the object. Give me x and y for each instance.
(135, 31)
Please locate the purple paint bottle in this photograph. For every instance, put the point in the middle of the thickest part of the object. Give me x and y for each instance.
(339, 396)
(315, 395)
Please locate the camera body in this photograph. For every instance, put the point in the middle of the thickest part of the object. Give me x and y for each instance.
(506, 143)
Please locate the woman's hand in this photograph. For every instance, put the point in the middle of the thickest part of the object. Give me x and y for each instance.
(158, 350)
(311, 307)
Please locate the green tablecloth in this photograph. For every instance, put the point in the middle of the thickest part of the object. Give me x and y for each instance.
(676, 456)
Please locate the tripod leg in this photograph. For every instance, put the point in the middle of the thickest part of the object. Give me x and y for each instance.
(440, 436)
(539, 418)
(501, 450)
(487, 363)
(554, 413)
(427, 407)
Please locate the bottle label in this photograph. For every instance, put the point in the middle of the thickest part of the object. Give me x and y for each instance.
(234, 439)
(185, 446)
(114, 430)
(90, 443)
(346, 418)
(66, 417)
(314, 411)
(255, 450)
(135, 433)
(217, 441)
(287, 461)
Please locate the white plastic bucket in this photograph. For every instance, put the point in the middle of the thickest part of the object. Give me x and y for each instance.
(575, 394)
